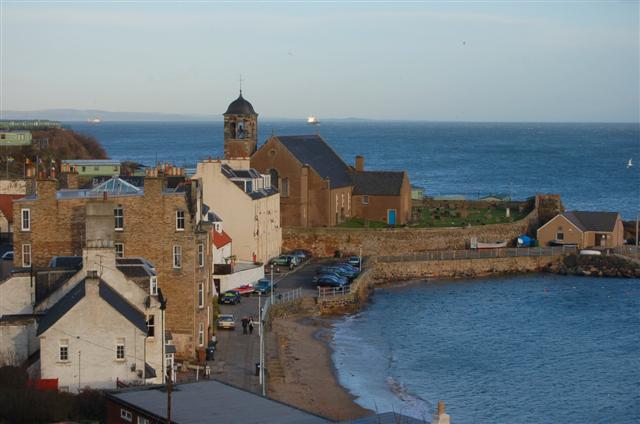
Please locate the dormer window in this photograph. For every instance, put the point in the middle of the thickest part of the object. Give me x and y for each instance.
(153, 285)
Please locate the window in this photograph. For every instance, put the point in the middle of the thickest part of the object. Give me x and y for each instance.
(126, 415)
(201, 295)
(151, 326)
(118, 213)
(63, 352)
(142, 420)
(26, 255)
(84, 168)
(177, 256)
(120, 350)
(560, 234)
(365, 200)
(201, 335)
(348, 201)
(26, 220)
(342, 200)
(201, 255)
(153, 285)
(180, 220)
(274, 177)
(64, 389)
(119, 250)
(284, 192)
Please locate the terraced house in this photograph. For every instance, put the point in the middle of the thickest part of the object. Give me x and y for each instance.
(168, 227)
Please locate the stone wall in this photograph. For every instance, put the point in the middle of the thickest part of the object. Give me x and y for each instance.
(361, 289)
(395, 241)
(384, 272)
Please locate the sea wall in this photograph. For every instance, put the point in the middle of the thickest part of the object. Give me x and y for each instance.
(396, 241)
(597, 266)
(385, 272)
(361, 289)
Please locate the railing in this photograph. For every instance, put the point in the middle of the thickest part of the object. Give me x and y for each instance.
(625, 250)
(333, 291)
(288, 296)
(442, 255)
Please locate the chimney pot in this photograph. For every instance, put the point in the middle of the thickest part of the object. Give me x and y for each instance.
(359, 163)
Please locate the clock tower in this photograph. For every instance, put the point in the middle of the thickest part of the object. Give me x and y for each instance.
(240, 129)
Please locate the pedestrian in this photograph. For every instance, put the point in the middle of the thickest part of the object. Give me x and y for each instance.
(250, 324)
(245, 324)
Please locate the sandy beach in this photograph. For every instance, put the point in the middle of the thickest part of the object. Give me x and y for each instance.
(309, 380)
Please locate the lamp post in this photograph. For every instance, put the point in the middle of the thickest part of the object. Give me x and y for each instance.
(272, 287)
(261, 335)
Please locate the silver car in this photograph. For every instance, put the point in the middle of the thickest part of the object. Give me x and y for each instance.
(226, 322)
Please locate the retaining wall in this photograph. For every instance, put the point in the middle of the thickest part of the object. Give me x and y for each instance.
(361, 289)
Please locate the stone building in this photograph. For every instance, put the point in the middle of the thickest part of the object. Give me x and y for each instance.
(247, 204)
(240, 129)
(94, 325)
(584, 229)
(314, 183)
(169, 227)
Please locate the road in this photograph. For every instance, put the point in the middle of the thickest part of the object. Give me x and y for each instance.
(237, 353)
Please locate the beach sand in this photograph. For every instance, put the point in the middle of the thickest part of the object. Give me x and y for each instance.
(309, 380)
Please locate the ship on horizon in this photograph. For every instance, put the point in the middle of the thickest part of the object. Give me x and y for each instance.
(94, 121)
(312, 120)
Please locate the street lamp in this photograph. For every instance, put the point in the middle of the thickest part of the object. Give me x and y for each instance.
(272, 287)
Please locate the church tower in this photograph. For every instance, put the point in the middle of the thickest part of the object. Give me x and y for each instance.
(240, 129)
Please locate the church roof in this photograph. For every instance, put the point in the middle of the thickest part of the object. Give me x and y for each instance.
(240, 106)
(377, 183)
(312, 150)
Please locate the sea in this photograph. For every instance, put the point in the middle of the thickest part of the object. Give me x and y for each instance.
(517, 349)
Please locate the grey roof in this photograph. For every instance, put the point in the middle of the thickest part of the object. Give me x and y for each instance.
(136, 271)
(169, 349)
(212, 217)
(315, 152)
(63, 306)
(240, 106)
(237, 175)
(149, 371)
(377, 183)
(78, 292)
(212, 402)
(593, 221)
(132, 260)
(265, 192)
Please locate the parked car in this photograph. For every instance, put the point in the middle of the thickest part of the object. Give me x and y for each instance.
(348, 266)
(329, 274)
(226, 321)
(245, 289)
(340, 271)
(301, 254)
(285, 260)
(263, 286)
(8, 256)
(331, 281)
(231, 297)
(267, 268)
(354, 261)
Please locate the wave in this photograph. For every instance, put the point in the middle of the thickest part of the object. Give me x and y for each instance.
(413, 404)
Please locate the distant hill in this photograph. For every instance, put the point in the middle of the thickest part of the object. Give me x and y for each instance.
(84, 115)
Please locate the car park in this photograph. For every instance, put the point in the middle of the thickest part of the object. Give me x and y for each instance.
(226, 321)
(231, 297)
(340, 271)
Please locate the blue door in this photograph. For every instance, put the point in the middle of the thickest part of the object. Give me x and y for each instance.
(391, 216)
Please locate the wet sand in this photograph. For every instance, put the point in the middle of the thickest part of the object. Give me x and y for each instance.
(308, 378)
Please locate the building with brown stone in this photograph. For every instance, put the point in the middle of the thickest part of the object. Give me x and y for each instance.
(169, 227)
(584, 229)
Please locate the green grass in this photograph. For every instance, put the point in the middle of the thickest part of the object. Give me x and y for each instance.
(360, 223)
(441, 217)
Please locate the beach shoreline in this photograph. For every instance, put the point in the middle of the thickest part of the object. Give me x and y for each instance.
(303, 349)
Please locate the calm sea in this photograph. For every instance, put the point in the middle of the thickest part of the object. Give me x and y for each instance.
(529, 349)
(499, 350)
(585, 163)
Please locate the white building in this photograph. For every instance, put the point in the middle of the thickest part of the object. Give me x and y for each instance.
(248, 205)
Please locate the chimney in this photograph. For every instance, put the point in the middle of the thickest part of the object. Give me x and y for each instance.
(91, 283)
(359, 163)
(154, 185)
(99, 224)
(46, 188)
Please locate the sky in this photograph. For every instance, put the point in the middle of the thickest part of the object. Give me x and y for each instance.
(436, 61)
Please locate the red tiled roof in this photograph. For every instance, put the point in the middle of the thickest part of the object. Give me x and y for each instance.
(220, 239)
(6, 204)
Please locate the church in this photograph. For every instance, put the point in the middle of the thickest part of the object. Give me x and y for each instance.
(317, 188)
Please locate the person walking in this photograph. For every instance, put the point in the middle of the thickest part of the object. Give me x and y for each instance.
(250, 324)
(245, 324)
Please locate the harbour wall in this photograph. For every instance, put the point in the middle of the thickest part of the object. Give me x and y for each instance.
(395, 241)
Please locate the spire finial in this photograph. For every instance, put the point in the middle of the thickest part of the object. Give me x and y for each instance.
(240, 84)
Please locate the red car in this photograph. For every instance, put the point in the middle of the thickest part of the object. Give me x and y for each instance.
(245, 289)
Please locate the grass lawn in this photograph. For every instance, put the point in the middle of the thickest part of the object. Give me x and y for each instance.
(441, 217)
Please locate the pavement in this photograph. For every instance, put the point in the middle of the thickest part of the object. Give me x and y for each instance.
(237, 353)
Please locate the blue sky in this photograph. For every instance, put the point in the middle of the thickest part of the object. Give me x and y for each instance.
(461, 61)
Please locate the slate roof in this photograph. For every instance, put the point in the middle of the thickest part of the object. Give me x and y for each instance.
(593, 221)
(377, 183)
(314, 151)
(109, 295)
(251, 173)
(240, 106)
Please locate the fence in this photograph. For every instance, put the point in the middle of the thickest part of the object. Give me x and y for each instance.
(288, 296)
(443, 255)
(626, 250)
(334, 291)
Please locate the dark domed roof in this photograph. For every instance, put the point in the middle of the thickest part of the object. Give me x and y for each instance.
(240, 107)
